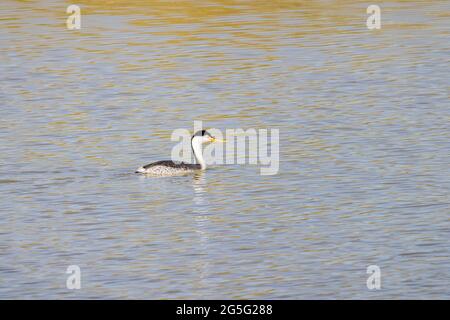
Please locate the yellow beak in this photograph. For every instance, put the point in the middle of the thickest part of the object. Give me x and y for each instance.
(217, 140)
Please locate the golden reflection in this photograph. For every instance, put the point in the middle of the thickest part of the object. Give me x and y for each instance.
(217, 12)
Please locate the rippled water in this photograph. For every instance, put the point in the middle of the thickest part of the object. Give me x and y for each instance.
(364, 152)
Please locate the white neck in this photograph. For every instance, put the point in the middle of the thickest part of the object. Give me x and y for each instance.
(197, 148)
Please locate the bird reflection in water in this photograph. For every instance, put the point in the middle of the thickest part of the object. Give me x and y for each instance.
(202, 228)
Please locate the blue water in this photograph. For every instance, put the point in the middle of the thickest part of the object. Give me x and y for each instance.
(364, 150)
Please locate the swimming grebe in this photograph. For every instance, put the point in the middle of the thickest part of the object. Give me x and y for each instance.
(169, 168)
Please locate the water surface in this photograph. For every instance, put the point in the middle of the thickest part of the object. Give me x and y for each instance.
(364, 152)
